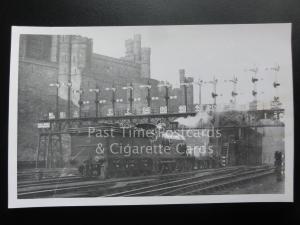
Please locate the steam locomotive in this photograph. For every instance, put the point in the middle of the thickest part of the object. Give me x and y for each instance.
(111, 150)
(114, 151)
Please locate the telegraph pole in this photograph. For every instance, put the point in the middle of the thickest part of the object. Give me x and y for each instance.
(57, 104)
(69, 79)
(130, 99)
(214, 93)
(113, 98)
(101, 102)
(276, 83)
(97, 99)
(166, 85)
(254, 80)
(61, 164)
(199, 83)
(185, 95)
(254, 93)
(276, 101)
(57, 85)
(80, 102)
(234, 93)
(96, 90)
(167, 97)
(185, 85)
(148, 97)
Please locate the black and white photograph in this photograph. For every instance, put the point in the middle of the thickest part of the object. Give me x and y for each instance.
(135, 115)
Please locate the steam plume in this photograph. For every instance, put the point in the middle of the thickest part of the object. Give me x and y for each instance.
(194, 121)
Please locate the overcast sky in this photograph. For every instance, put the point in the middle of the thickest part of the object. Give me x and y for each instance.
(206, 51)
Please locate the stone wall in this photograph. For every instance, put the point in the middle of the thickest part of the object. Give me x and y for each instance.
(35, 100)
(114, 68)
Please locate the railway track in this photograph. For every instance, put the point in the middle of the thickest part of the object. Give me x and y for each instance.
(38, 175)
(50, 181)
(52, 188)
(228, 183)
(197, 185)
(124, 191)
(155, 185)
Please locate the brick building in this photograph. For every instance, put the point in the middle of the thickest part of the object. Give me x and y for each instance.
(70, 60)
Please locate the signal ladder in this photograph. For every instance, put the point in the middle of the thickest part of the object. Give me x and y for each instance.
(224, 155)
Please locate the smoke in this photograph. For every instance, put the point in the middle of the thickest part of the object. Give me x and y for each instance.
(194, 121)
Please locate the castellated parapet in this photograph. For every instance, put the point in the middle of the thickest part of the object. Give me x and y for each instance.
(137, 46)
(129, 54)
(139, 55)
(181, 75)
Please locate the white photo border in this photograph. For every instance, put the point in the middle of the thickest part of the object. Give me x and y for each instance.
(14, 202)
